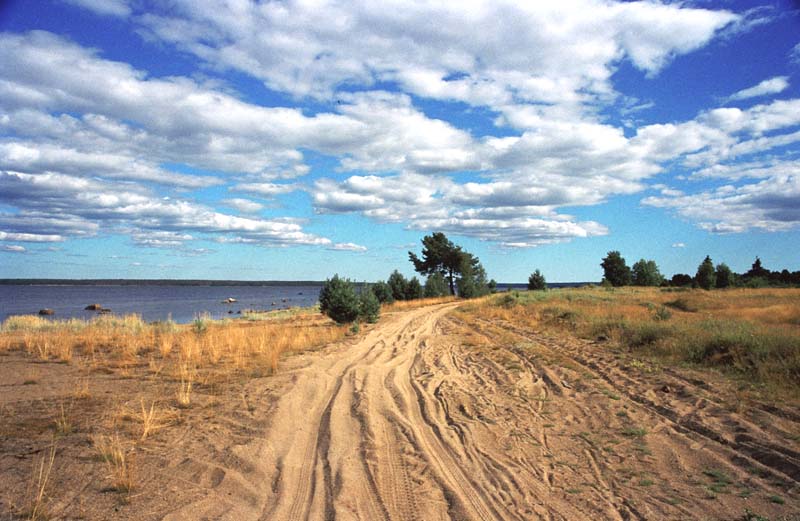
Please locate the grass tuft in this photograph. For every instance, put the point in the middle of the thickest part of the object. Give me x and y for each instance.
(37, 506)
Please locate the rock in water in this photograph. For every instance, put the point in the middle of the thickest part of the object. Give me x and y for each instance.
(46, 312)
(93, 307)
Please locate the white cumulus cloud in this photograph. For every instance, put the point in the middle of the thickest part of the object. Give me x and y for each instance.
(770, 86)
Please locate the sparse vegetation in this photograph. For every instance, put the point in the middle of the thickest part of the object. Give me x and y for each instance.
(117, 457)
(119, 342)
(40, 477)
(752, 333)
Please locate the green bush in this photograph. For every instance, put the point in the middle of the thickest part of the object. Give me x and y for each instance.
(338, 300)
(682, 304)
(369, 306)
(382, 292)
(413, 289)
(706, 276)
(537, 282)
(645, 334)
(397, 284)
(662, 313)
(508, 300)
(436, 286)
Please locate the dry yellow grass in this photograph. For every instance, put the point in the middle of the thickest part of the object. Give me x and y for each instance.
(37, 505)
(403, 305)
(172, 351)
(117, 456)
(750, 332)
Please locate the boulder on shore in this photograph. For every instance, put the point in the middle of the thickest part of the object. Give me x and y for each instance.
(105, 311)
(93, 307)
(46, 312)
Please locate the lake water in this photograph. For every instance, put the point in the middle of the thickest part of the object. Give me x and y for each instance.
(180, 303)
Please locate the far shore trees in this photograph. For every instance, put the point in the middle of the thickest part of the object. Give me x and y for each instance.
(615, 270)
(536, 281)
(646, 273)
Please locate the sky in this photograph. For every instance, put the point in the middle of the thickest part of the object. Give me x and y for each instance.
(293, 140)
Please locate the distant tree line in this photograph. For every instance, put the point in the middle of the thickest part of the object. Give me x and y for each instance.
(449, 270)
(708, 276)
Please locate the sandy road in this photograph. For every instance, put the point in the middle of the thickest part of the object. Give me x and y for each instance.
(428, 417)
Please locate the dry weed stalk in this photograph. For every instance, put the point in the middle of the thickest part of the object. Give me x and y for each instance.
(117, 458)
(39, 479)
(82, 391)
(63, 425)
(148, 417)
(184, 394)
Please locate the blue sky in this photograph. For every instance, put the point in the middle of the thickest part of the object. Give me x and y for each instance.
(291, 140)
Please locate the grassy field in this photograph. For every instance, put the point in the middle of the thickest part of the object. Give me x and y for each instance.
(749, 333)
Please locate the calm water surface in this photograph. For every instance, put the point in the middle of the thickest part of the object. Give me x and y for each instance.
(180, 303)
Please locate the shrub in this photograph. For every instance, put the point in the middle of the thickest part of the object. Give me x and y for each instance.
(646, 273)
(369, 306)
(338, 300)
(724, 276)
(615, 270)
(662, 313)
(644, 334)
(472, 283)
(682, 304)
(536, 281)
(706, 276)
(397, 284)
(413, 289)
(382, 292)
(436, 286)
(509, 300)
(681, 280)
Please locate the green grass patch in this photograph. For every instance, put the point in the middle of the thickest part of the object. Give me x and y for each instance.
(634, 432)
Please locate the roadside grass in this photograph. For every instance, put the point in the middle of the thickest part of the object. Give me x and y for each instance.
(403, 305)
(213, 348)
(749, 333)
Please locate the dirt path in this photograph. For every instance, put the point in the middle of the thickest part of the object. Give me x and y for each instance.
(431, 418)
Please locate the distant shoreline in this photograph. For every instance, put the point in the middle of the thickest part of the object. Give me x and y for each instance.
(203, 282)
(155, 282)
